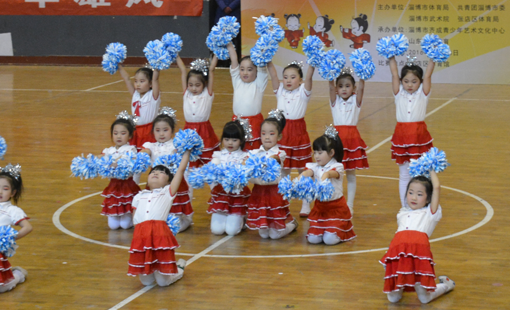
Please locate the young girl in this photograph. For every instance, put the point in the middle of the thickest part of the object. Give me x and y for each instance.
(267, 210)
(197, 85)
(330, 221)
(119, 193)
(228, 209)
(163, 128)
(11, 188)
(152, 255)
(408, 262)
(345, 100)
(249, 83)
(411, 137)
(145, 102)
(292, 97)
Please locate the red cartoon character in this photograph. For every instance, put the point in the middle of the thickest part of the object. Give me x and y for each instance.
(293, 33)
(322, 25)
(357, 33)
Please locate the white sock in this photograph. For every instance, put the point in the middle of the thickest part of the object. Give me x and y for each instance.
(305, 207)
(330, 238)
(277, 234)
(234, 224)
(114, 222)
(218, 223)
(167, 279)
(403, 180)
(185, 220)
(314, 239)
(126, 221)
(351, 188)
(425, 296)
(395, 296)
(19, 277)
(264, 233)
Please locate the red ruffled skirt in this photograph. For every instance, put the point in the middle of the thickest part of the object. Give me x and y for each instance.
(181, 203)
(296, 144)
(142, 134)
(332, 216)
(211, 142)
(408, 261)
(228, 203)
(6, 275)
(355, 156)
(410, 141)
(267, 208)
(152, 249)
(118, 197)
(255, 123)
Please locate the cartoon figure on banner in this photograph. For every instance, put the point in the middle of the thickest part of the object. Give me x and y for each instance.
(322, 25)
(357, 34)
(293, 33)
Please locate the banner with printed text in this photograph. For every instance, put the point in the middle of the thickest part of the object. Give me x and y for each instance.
(477, 32)
(102, 7)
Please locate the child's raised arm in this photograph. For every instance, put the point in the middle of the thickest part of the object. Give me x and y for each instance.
(359, 92)
(176, 181)
(184, 74)
(155, 84)
(436, 188)
(274, 76)
(125, 77)
(309, 78)
(210, 81)
(332, 92)
(26, 228)
(234, 62)
(427, 77)
(395, 79)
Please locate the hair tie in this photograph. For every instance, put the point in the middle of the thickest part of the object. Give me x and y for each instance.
(411, 60)
(201, 65)
(276, 113)
(13, 171)
(245, 123)
(331, 132)
(168, 111)
(130, 118)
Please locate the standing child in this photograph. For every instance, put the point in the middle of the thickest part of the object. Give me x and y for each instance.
(11, 188)
(249, 83)
(163, 128)
(229, 209)
(152, 252)
(267, 210)
(330, 221)
(411, 137)
(345, 100)
(408, 262)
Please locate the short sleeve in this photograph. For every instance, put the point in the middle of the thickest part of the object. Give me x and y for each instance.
(17, 215)
(338, 167)
(310, 166)
(105, 151)
(148, 145)
(262, 78)
(438, 215)
(282, 155)
(304, 91)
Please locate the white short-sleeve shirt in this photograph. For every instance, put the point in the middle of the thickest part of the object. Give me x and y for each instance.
(318, 171)
(224, 156)
(159, 149)
(248, 96)
(197, 109)
(422, 220)
(345, 112)
(11, 215)
(148, 107)
(411, 107)
(293, 103)
(274, 151)
(118, 152)
(152, 205)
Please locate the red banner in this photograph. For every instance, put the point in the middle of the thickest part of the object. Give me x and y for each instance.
(102, 7)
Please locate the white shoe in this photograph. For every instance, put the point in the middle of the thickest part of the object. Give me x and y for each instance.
(23, 272)
(449, 282)
(305, 209)
(181, 263)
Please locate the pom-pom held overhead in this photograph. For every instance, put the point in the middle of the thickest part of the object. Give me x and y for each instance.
(115, 54)
(434, 159)
(170, 161)
(8, 240)
(173, 223)
(189, 140)
(266, 25)
(85, 168)
(362, 63)
(157, 55)
(395, 45)
(221, 34)
(435, 49)
(313, 47)
(263, 51)
(331, 65)
(229, 27)
(173, 43)
(3, 147)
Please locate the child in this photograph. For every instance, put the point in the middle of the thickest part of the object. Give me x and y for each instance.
(345, 100)
(119, 193)
(11, 188)
(152, 255)
(267, 210)
(145, 102)
(330, 221)
(408, 262)
(249, 83)
(228, 209)
(197, 85)
(163, 128)
(411, 137)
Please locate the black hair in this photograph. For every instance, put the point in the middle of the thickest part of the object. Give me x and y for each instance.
(425, 182)
(295, 66)
(147, 72)
(247, 58)
(16, 185)
(280, 124)
(328, 23)
(234, 130)
(287, 16)
(362, 22)
(345, 76)
(125, 123)
(325, 143)
(414, 69)
(164, 118)
(203, 78)
(165, 170)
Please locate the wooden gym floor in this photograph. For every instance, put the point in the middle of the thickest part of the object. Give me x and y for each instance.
(49, 115)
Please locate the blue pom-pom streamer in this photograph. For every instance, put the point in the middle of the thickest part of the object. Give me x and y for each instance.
(189, 140)
(125, 165)
(332, 64)
(435, 49)
(395, 45)
(172, 42)
(85, 168)
(172, 162)
(115, 54)
(324, 189)
(272, 170)
(234, 178)
(434, 159)
(8, 240)
(104, 165)
(221, 34)
(285, 188)
(229, 27)
(3, 147)
(362, 63)
(265, 25)
(304, 188)
(142, 162)
(211, 173)
(174, 223)
(313, 48)
(263, 51)
(255, 166)
(195, 178)
(157, 55)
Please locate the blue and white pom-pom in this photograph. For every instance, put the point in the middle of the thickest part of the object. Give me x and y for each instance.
(268, 25)
(263, 51)
(434, 159)
(85, 168)
(285, 188)
(125, 164)
(104, 166)
(331, 65)
(115, 54)
(220, 51)
(172, 162)
(221, 34)
(435, 49)
(3, 147)
(195, 178)
(8, 240)
(272, 170)
(395, 45)
(362, 63)
(313, 47)
(229, 27)
(304, 188)
(234, 178)
(172, 42)
(142, 162)
(157, 55)
(174, 223)
(255, 166)
(324, 190)
(189, 140)
(211, 173)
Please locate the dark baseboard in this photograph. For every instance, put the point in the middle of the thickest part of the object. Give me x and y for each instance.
(72, 60)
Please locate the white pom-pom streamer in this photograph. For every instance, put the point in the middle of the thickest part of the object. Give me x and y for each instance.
(434, 159)
(331, 64)
(8, 240)
(435, 49)
(115, 54)
(362, 63)
(157, 55)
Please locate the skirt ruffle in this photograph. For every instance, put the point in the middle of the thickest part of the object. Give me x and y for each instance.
(118, 197)
(142, 134)
(228, 203)
(331, 216)
(211, 142)
(410, 141)
(6, 275)
(296, 144)
(409, 261)
(355, 156)
(267, 208)
(152, 249)
(255, 123)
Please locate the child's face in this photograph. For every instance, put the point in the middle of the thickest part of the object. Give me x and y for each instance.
(195, 85)
(416, 196)
(410, 82)
(6, 192)
(120, 135)
(291, 79)
(158, 179)
(323, 157)
(248, 71)
(231, 144)
(293, 23)
(344, 88)
(319, 24)
(355, 28)
(142, 83)
(163, 132)
(269, 135)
